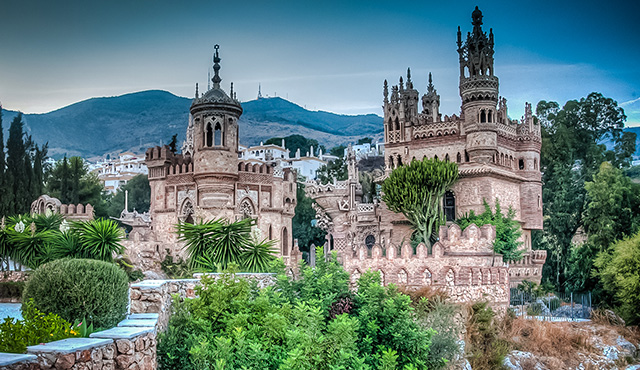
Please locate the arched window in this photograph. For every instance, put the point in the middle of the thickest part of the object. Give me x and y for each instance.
(209, 135)
(390, 125)
(449, 206)
(446, 157)
(369, 241)
(458, 158)
(521, 164)
(489, 116)
(397, 124)
(466, 156)
(483, 116)
(399, 161)
(270, 232)
(218, 135)
(390, 162)
(285, 242)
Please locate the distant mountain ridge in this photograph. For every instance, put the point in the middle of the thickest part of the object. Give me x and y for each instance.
(136, 121)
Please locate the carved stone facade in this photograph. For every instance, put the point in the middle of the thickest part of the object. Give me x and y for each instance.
(209, 181)
(498, 158)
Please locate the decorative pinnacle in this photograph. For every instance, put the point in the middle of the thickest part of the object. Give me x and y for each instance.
(408, 76)
(197, 94)
(385, 92)
(459, 42)
(401, 84)
(232, 89)
(216, 68)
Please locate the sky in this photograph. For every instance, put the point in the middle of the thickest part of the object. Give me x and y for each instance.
(323, 55)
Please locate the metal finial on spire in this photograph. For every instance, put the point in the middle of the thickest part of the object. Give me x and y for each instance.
(430, 79)
(216, 68)
(197, 93)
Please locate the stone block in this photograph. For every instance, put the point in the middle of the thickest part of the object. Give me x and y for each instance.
(124, 361)
(7, 359)
(65, 361)
(124, 347)
(68, 345)
(123, 332)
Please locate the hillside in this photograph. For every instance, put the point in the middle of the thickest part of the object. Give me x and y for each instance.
(140, 120)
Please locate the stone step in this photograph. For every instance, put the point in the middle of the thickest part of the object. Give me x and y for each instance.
(68, 345)
(143, 316)
(138, 322)
(123, 332)
(7, 359)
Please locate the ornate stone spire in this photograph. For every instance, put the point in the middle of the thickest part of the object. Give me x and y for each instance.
(409, 83)
(385, 91)
(216, 68)
(197, 93)
(401, 84)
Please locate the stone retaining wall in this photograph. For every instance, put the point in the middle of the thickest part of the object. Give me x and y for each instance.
(14, 275)
(129, 346)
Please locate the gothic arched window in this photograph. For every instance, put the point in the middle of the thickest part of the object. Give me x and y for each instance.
(458, 158)
(390, 162)
(449, 203)
(397, 124)
(218, 135)
(209, 135)
(483, 116)
(369, 241)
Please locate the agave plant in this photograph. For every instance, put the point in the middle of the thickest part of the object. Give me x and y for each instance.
(48, 221)
(258, 255)
(67, 244)
(215, 242)
(99, 239)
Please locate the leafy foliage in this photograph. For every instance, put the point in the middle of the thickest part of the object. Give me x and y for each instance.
(100, 239)
(571, 153)
(416, 191)
(302, 229)
(139, 196)
(175, 269)
(234, 325)
(619, 269)
(80, 288)
(11, 289)
(294, 142)
(487, 348)
(334, 170)
(507, 229)
(36, 328)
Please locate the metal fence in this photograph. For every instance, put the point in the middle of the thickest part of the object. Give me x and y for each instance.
(551, 306)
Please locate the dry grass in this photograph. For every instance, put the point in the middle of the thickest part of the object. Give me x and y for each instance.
(550, 339)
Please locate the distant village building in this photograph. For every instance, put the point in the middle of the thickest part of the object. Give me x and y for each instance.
(498, 159)
(273, 155)
(116, 172)
(366, 150)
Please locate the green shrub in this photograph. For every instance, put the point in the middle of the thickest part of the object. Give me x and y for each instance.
(37, 327)
(175, 269)
(486, 349)
(11, 289)
(80, 288)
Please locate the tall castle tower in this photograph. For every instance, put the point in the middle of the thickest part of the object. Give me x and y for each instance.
(479, 91)
(215, 140)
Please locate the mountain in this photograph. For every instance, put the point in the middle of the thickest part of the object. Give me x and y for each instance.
(136, 121)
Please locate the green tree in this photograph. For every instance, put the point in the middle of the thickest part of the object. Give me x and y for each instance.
(507, 229)
(70, 181)
(303, 230)
(619, 270)
(19, 199)
(139, 196)
(338, 151)
(571, 153)
(364, 140)
(334, 170)
(173, 144)
(416, 191)
(4, 185)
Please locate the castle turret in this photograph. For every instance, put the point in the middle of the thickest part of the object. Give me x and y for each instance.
(215, 130)
(431, 102)
(478, 90)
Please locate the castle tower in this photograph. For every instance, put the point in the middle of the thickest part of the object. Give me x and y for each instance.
(479, 91)
(215, 142)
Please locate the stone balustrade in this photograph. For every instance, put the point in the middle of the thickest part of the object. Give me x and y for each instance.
(130, 345)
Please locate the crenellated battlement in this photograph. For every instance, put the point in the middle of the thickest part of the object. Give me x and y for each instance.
(75, 212)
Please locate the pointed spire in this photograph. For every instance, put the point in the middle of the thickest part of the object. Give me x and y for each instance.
(401, 84)
(216, 68)
(459, 38)
(197, 93)
(231, 90)
(208, 80)
(259, 91)
(409, 83)
(385, 91)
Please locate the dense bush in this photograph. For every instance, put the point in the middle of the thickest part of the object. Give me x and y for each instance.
(486, 346)
(619, 270)
(80, 288)
(311, 323)
(37, 327)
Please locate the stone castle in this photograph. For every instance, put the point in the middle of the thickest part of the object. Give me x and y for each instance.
(498, 159)
(208, 180)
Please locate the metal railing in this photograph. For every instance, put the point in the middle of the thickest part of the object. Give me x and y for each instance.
(551, 306)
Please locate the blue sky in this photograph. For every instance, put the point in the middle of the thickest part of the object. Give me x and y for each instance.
(326, 55)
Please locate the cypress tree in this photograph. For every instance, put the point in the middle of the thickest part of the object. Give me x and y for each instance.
(16, 156)
(3, 182)
(64, 181)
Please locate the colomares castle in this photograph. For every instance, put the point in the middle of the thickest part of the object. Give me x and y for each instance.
(498, 160)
